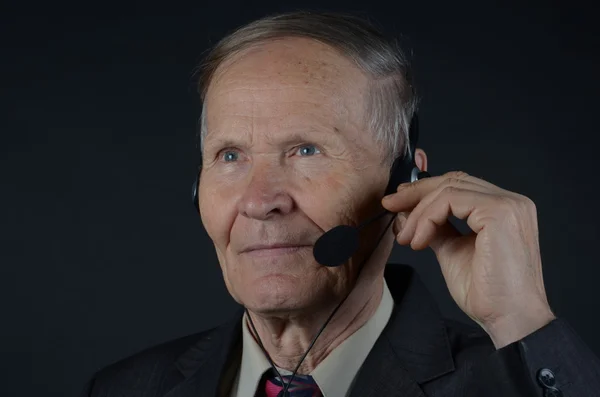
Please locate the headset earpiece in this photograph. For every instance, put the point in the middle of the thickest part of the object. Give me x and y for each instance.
(404, 169)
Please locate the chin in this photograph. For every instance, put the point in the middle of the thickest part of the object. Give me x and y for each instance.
(280, 294)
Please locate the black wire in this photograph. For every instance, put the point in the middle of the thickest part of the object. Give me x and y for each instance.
(263, 348)
(285, 390)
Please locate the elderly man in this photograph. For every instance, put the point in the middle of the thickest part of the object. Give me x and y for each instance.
(304, 115)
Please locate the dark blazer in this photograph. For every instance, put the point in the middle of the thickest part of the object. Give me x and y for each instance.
(418, 354)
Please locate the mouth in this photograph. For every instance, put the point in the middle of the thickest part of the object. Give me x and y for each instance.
(275, 250)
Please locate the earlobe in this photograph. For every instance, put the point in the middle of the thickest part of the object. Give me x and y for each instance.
(421, 159)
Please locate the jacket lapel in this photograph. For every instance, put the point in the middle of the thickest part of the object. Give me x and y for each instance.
(412, 349)
(207, 366)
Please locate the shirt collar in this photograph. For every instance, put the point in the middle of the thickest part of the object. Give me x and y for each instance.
(333, 378)
(254, 363)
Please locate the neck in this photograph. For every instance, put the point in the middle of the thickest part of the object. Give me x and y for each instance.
(286, 339)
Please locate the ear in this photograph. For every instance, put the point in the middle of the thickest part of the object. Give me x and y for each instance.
(421, 159)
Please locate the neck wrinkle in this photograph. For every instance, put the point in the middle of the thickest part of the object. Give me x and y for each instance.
(351, 316)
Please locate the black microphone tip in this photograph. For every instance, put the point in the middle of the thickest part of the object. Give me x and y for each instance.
(336, 246)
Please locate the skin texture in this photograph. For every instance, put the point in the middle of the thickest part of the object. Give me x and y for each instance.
(287, 156)
(268, 108)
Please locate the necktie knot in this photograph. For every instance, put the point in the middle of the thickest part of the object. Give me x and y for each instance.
(302, 386)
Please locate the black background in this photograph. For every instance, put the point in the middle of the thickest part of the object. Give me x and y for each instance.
(102, 252)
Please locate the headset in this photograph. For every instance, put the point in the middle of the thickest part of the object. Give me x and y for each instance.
(339, 244)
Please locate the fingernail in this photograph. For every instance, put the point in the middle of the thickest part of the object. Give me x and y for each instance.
(399, 235)
(399, 224)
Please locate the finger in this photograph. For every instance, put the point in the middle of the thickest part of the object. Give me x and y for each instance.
(410, 194)
(463, 176)
(411, 223)
(463, 204)
(433, 229)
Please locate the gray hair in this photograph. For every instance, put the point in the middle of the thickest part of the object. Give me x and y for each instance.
(391, 98)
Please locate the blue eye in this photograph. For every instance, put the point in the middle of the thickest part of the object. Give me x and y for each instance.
(230, 156)
(308, 150)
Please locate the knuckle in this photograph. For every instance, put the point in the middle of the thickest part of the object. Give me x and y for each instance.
(451, 185)
(527, 203)
(459, 175)
(509, 208)
(525, 208)
(505, 203)
(452, 182)
(405, 186)
(450, 189)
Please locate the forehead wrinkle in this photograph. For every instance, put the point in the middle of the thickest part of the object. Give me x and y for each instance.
(244, 113)
(242, 124)
(333, 83)
(238, 74)
(277, 95)
(266, 119)
(247, 114)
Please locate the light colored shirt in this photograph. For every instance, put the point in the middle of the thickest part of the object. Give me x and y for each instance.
(335, 374)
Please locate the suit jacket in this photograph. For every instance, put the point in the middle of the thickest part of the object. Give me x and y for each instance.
(418, 354)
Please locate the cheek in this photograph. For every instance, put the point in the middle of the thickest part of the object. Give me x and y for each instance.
(217, 210)
(335, 199)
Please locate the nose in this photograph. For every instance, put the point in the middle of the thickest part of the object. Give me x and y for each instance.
(265, 194)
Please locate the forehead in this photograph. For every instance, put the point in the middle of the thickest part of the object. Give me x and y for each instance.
(287, 79)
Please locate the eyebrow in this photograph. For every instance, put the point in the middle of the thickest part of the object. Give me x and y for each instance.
(297, 136)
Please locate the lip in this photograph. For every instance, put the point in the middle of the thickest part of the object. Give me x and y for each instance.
(274, 249)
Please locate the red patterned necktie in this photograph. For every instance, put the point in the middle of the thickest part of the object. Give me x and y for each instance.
(302, 386)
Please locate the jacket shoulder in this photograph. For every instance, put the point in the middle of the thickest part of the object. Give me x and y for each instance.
(150, 369)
